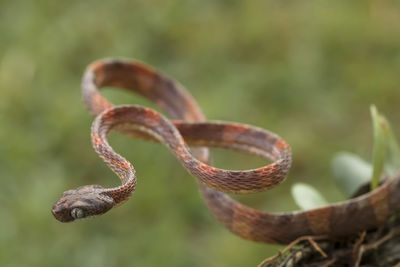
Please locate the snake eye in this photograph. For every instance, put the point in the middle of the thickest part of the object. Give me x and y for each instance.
(77, 213)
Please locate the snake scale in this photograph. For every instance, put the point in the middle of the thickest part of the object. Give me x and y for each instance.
(188, 127)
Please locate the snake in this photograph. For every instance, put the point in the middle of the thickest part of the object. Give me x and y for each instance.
(188, 135)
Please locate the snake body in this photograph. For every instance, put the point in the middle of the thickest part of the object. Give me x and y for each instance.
(188, 127)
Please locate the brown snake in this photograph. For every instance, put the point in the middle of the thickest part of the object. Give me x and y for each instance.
(188, 127)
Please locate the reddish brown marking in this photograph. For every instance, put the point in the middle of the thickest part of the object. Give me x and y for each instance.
(280, 144)
(99, 103)
(267, 169)
(211, 170)
(379, 204)
(181, 153)
(152, 116)
(108, 115)
(319, 220)
(98, 68)
(97, 141)
(124, 165)
(185, 156)
(242, 220)
(232, 131)
(146, 78)
(201, 167)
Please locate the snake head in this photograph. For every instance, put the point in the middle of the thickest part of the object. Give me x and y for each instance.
(82, 202)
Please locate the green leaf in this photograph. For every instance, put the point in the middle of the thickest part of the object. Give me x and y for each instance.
(307, 197)
(380, 142)
(350, 172)
(393, 151)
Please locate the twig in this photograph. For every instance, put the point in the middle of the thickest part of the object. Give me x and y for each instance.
(292, 244)
(388, 236)
(376, 244)
(317, 248)
(358, 244)
(329, 263)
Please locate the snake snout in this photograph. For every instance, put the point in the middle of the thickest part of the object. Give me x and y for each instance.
(61, 212)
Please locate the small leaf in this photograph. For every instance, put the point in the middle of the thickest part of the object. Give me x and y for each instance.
(307, 197)
(350, 172)
(393, 151)
(380, 142)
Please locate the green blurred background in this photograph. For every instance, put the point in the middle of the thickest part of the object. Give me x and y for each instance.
(305, 70)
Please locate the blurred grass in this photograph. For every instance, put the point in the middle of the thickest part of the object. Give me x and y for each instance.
(305, 70)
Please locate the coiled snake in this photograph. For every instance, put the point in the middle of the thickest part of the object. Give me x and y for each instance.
(188, 127)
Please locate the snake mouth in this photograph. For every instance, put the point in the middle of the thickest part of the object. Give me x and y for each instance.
(61, 213)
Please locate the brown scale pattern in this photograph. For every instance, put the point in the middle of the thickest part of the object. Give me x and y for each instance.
(187, 127)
